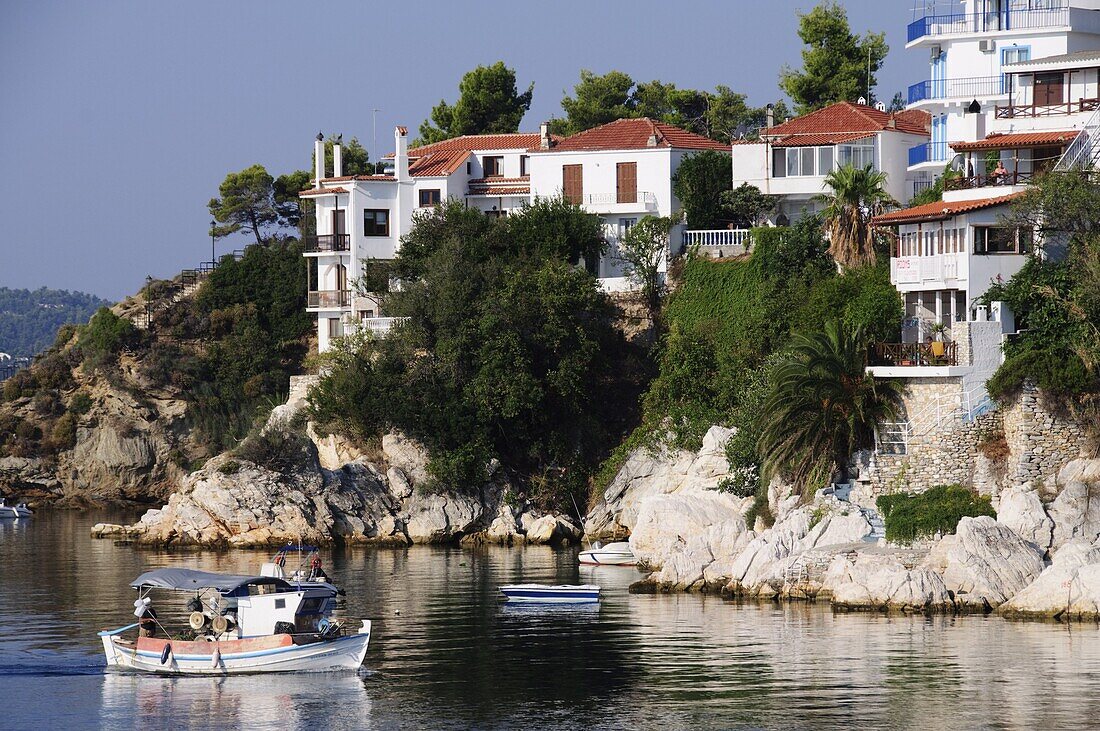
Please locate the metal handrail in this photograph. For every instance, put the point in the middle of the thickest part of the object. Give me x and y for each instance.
(958, 23)
(1081, 149)
(971, 86)
(326, 242)
(1012, 111)
(967, 182)
(329, 298)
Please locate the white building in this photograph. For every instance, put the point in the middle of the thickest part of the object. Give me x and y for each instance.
(792, 159)
(621, 171)
(1013, 93)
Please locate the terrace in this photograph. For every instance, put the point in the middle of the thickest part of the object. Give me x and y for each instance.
(950, 24)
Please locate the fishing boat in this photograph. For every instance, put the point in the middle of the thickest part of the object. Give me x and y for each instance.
(237, 624)
(14, 511)
(560, 594)
(613, 554)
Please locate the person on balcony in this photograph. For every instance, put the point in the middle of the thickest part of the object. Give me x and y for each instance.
(1000, 173)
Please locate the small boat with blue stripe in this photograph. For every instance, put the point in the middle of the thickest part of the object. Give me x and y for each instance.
(237, 624)
(14, 511)
(559, 594)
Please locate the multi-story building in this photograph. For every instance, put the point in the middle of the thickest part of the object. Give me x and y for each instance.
(621, 171)
(1013, 93)
(791, 160)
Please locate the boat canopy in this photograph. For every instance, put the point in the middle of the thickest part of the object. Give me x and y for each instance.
(190, 579)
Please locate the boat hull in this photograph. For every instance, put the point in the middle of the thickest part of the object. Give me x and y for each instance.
(615, 554)
(584, 594)
(275, 654)
(10, 513)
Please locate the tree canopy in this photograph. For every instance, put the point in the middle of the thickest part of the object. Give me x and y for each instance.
(834, 60)
(247, 203)
(598, 99)
(700, 183)
(856, 195)
(488, 103)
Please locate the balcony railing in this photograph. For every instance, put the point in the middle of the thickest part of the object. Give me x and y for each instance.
(731, 238)
(327, 242)
(928, 152)
(967, 182)
(962, 23)
(914, 354)
(619, 198)
(329, 299)
(381, 325)
(930, 268)
(975, 86)
(1012, 111)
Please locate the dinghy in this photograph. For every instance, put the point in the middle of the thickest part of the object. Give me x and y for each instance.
(613, 554)
(237, 624)
(560, 594)
(14, 511)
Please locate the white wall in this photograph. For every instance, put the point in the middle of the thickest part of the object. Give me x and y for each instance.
(599, 174)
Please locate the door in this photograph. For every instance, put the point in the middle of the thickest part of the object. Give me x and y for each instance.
(1049, 89)
(626, 182)
(341, 280)
(572, 183)
(339, 228)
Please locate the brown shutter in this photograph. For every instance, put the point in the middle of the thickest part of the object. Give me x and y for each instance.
(572, 183)
(626, 181)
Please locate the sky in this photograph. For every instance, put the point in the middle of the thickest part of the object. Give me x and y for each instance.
(118, 120)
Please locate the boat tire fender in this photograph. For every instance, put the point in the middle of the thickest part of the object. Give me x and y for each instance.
(165, 654)
(216, 658)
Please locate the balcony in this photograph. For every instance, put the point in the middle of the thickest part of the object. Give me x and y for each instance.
(968, 182)
(1014, 111)
(970, 88)
(964, 24)
(914, 354)
(381, 325)
(920, 270)
(336, 299)
(927, 152)
(720, 242)
(620, 202)
(318, 243)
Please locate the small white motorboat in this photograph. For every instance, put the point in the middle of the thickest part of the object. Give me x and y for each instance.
(237, 624)
(613, 554)
(560, 594)
(14, 511)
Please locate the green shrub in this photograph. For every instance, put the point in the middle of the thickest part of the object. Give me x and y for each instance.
(20, 385)
(229, 467)
(47, 403)
(63, 434)
(80, 404)
(910, 516)
(278, 449)
(53, 371)
(760, 509)
(105, 335)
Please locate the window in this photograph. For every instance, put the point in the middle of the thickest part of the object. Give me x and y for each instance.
(572, 183)
(376, 222)
(469, 168)
(365, 314)
(493, 166)
(824, 160)
(626, 182)
(793, 168)
(779, 163)
(625, 224)
(1001, 240)
(859, 156)
(523, 164)
(280, 603)
(335, 327)
(429, 197)
(809, 157)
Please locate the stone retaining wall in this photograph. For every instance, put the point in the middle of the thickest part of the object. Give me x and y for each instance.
(1041, 442)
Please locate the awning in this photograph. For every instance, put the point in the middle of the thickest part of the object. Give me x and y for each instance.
(191, 580)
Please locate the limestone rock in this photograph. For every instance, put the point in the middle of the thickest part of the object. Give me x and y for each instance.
(870, 581)
(985, 563)
(1076, 511)
(1021, 510)
(661, 471)
(406, 455)
(1069, 588)
(441, 517)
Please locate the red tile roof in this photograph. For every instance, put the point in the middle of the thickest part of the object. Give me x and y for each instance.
(500, 179)
(321, 191)
(634, 134)
(346, 178)
(1022, 139)
(441, 162)
(940, 210)
(836, 122)
(469, 143)
(503, 190)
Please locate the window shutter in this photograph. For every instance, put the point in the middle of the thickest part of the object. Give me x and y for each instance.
(626, 174)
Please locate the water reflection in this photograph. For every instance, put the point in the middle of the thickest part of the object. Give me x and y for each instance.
(447, 652)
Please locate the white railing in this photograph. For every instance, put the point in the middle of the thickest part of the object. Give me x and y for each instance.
(381, 325)
(1081, 153)
(942, 412)
(617, 284)
(724, 237)
(917, 269)
(615, 199)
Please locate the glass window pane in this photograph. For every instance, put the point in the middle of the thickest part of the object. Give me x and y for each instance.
(808, 154)
(779, 163)
(824, 160)
(792, 162)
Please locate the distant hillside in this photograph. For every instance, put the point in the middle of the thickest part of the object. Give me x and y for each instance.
(29, 319)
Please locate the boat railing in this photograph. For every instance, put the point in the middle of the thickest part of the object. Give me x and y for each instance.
(120, 630)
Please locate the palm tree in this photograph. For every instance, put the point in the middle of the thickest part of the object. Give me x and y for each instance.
(858, 194)
(823, 405)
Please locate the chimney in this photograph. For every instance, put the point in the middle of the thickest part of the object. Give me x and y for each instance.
(319, 158)
(337, 157)
(769, 119)
(545, 141)
(401, 153)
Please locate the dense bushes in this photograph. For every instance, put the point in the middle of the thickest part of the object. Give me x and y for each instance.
(510, 355)
(105, 335)
(910, 516)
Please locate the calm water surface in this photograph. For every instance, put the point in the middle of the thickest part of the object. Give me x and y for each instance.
(446, 653)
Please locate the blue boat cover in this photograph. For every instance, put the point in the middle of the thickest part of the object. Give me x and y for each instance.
(190, 579)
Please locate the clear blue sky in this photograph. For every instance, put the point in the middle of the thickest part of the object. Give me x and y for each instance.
(119, 119)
